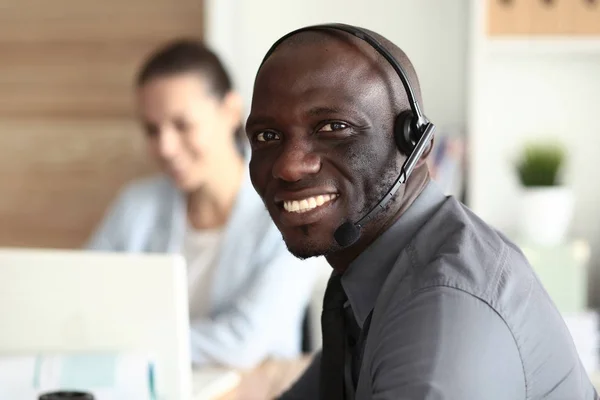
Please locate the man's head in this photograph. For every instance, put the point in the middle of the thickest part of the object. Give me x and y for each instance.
(321, 129)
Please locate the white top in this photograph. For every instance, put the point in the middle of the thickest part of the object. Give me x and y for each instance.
(200, 249)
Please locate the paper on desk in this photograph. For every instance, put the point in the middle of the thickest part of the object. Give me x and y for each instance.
(107, 376)
(212, 383)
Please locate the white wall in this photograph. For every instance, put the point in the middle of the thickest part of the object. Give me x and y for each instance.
(432, 32)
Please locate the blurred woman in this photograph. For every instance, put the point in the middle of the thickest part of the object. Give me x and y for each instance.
(247, 294)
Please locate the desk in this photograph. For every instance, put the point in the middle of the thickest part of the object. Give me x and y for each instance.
(275, 376)
(268, 380)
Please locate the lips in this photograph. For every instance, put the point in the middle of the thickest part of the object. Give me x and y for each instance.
(305, 207)
(307, 204)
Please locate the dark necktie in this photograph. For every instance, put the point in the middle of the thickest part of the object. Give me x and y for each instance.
(334, 336)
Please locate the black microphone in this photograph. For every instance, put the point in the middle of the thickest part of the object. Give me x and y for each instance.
(349, 232)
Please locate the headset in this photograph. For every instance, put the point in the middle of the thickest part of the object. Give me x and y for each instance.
(412, 130)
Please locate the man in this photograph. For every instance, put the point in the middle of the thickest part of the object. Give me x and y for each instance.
(434, 303)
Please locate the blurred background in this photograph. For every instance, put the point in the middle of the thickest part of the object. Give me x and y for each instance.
(513, 86)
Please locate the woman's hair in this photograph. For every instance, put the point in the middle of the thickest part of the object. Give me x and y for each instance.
(189, 55)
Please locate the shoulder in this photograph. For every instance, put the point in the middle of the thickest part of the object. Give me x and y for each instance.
(445, 314)
(433, 306)
(144, 194)
(458, 249)
(132, 213)
(143, 199)
(146, 188)
(457, 256)
(437, 341)
(460, 284)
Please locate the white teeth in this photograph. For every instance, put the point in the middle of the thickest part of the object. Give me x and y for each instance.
(308, 204)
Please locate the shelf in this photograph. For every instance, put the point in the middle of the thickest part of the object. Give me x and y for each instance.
(542, 45)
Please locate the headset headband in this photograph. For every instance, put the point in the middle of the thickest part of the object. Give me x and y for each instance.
(420, 119)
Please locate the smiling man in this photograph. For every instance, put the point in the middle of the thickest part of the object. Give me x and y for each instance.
(426, 301)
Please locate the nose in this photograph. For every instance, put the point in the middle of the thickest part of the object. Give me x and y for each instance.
(167, 142)
(295, 162)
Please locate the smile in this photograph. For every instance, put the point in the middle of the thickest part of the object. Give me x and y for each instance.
(308, 204)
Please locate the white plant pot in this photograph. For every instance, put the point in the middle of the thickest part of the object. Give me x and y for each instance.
(546, 214)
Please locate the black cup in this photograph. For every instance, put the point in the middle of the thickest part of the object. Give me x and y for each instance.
(66, 395)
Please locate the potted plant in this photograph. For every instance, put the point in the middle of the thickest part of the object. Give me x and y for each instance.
(547, 203)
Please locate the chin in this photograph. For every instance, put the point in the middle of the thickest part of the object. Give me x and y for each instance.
(303, 252)
(309, 234)
(306, 244)
(187, 185)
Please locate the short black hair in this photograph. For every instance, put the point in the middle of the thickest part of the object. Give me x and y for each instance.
(185, 55)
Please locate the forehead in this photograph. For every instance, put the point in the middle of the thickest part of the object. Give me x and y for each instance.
(331, 74)
(172, 93)
(179, 86)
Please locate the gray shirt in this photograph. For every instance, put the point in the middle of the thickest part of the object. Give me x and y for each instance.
(445, 307)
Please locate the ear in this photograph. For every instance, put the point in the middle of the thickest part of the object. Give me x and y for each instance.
(232, 108)
(426, 153)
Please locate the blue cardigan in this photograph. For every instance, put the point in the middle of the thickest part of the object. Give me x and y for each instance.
(260, 291)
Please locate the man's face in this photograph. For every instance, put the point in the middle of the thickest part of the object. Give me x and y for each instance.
(322, 146)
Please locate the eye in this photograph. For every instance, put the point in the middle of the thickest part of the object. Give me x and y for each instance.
(151, 130)
(333, 126)
(267, 136)
(182, 126)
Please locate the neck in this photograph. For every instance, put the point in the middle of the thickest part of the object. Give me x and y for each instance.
(210, 206)
(341, 260)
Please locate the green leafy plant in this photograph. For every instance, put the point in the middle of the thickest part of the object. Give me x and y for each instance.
(540, 164)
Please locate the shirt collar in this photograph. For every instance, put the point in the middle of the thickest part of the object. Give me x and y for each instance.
(365, 276)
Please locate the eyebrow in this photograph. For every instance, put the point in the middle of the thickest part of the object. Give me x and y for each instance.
(259, 120)
(317, 111)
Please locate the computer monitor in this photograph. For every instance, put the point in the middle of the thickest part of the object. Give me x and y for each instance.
(68, 301)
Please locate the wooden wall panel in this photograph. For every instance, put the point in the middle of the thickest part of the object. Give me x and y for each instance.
(73, 58)
(68, 139)
(508, 17)
(543, 17)
(57, 178)
(586, 13)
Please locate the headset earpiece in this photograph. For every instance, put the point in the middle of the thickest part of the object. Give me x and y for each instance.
(406, 132)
